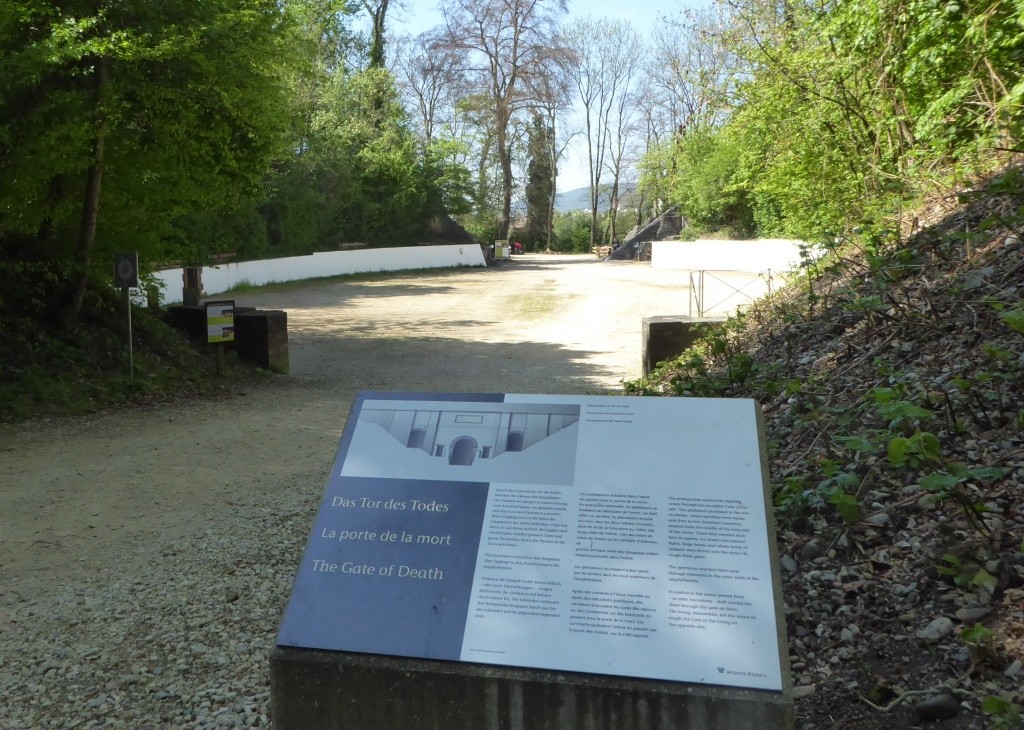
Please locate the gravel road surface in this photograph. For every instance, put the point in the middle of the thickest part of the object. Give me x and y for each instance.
(146, 556)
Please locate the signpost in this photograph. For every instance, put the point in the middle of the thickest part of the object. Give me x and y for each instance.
(605, 535)
(220, 326)
(126, 276)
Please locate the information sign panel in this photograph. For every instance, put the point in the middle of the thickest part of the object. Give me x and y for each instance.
(126, 270)
(220, 321)
(612, 535)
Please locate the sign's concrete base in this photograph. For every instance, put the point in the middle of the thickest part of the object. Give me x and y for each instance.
(313, 689)
(666, 337)
(262, 337)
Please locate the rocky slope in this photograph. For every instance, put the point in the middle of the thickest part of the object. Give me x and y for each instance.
(890, 375)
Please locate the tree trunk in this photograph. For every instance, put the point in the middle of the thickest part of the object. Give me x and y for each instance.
(86, 241)
(483, 190)
(553, 153)
(505, 157)
(595, 181)
(549, 223)
(377, 39)
(613, 210)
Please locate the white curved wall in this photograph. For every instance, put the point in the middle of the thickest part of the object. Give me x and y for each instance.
(218, 279)
(753, 256)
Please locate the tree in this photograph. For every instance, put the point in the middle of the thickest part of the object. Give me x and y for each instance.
(428, 73)
(295, 199)
(363, 177)
(692, 71)
(473, 125)
(705, 184)
(115, 118)
(503, 42)
(539, 181)
(836, 111)
(606, 59)
(552, 92)
(377, 10)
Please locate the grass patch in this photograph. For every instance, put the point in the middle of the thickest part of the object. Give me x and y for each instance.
(532, 306)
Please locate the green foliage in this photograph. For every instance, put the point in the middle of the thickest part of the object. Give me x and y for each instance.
(976, 635)
(1005, 714)
(192, 112)
(448, 183)
(956, 474)
(375, 191)
(230, 126)
(572, 232)
(540, 182)
(846, 505)
(967, 574)
(482, 226)
(895, 411)
(844, 108)
(1014, 319)
(707, 162)
(360, 176)
(980, 641)
(920, 448)
(54, 371)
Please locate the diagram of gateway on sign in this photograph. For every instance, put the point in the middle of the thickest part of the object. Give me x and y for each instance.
(537, 441)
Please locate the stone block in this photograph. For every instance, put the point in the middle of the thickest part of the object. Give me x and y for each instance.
(326, 689)
(190, 318)
(261, 336)
(667, 336)
(192, 285)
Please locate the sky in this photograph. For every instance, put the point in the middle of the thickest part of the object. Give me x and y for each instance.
(420, 15)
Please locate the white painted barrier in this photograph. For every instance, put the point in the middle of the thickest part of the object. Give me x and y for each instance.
(754, 256)
(218, 279)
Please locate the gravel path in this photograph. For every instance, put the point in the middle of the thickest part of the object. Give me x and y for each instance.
(146, 556)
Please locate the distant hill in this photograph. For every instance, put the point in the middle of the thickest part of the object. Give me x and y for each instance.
(579, 198)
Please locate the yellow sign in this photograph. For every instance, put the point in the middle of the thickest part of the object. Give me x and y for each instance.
(220, 322)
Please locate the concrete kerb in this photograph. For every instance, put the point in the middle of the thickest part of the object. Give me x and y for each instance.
(325, 689)
(667, 336)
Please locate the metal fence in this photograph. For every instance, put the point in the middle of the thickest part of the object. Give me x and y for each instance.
(719, 291)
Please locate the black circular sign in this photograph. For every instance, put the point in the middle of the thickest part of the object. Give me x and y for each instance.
(126, 270)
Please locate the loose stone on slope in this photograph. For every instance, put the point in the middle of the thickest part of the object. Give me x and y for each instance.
(939, 628)
(937, 708)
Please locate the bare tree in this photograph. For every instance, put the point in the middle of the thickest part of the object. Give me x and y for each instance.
(552, 92)
(692, 70)
(655, 127)
(427, 71)
(503, 43)
(607, 58)
(623, 137)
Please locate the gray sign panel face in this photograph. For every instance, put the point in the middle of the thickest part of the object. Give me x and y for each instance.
(126, 270)
(611, 535)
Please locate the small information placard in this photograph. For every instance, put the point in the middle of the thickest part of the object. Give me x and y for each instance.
(611, 535)
(220, 321)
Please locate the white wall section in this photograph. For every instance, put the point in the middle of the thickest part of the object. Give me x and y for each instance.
(753, 256)
(218, 279)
